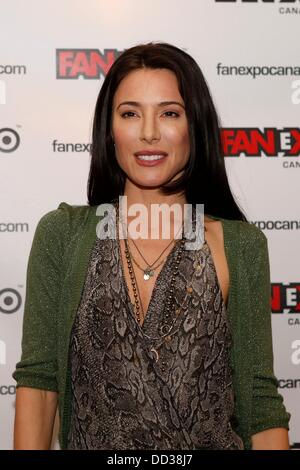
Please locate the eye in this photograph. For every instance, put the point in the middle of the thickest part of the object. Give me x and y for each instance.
(127, 114)
(171, 114)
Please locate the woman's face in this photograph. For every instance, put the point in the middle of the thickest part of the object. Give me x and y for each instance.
(149, 117)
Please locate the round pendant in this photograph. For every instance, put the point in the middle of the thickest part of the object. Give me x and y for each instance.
(147, 274)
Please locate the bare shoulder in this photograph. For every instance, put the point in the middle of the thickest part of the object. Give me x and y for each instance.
(214, 237)
(213, 227)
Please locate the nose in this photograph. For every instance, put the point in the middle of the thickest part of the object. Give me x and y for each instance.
(149, 129)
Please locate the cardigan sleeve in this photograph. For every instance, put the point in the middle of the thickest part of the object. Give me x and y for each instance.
(268, 410)
(38, 364)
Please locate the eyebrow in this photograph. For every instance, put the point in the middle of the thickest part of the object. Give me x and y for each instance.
(162, 103)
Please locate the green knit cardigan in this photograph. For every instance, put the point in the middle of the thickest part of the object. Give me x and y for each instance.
(56, 272)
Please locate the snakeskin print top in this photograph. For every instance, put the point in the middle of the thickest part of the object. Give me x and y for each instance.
(162, 385)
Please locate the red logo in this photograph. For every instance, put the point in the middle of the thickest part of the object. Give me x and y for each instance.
(253, 142)
(87, 63)
(285, 298)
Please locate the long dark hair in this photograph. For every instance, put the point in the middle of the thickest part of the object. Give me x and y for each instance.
(204, 179)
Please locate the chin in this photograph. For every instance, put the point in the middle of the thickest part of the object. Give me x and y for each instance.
(148, 182)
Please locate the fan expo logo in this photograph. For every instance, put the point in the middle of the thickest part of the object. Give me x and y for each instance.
(285, 6)
(9, 140)
(86, 63)
(255, 71)
(270, 142)
(285, 299)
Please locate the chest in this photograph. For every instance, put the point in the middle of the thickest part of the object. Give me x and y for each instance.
(142, 272)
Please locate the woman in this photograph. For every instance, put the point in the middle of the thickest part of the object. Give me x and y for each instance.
(143, 343)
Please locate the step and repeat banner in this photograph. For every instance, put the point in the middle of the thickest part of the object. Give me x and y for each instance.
(54, 56)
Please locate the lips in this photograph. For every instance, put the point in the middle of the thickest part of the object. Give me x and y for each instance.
(150, 152)
(151, 157)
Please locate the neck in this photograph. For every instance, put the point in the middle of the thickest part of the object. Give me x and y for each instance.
(151, 199)
(148, 196)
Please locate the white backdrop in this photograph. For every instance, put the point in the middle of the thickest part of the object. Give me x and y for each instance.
(37, 108)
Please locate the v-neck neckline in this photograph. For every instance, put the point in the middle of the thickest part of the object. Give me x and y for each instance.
(156, 286)
(157, 283)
